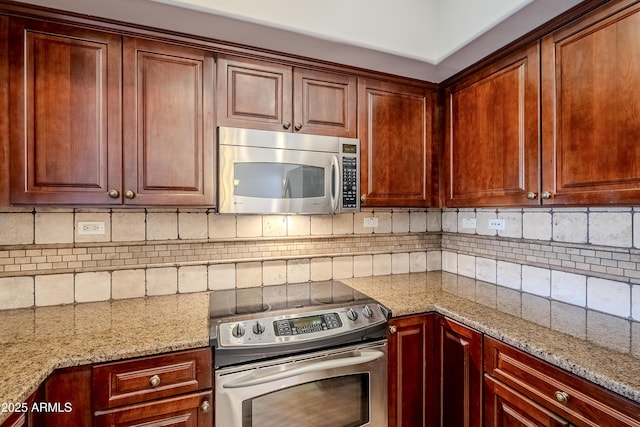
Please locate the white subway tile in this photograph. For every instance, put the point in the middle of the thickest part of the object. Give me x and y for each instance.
(358, 223)
(248, 274)
(54, 227)
(482, 218)
(610, 228)
(381, 264)
(249, 225)
(536, 225)
(128, 284)
(384, 222)
(298, 271)
(321, 225)
(509, 275)
(94, 286)
(635, 299)
(486, 269)
(363, 265)
(128, 226)
(400, 263)
(466, 265)
(16, 228)
(343, 224)
(298, 225)
(222, 276)
(450, 262)
(222, 226)
(512, 223)
(16, 292)
(417, 262)
(536, 280)
(434, 220)
(417, 221)
(193, 225)
(54, 289)
(434, 260)
(450, 221)
(162, 281)
(570, 227)
(274, 272)
(466, 214)
(162, 225)
(343, 267)
(192, 278)
(400, 221)
(568, 287)
(609, 296)
(274, 225)
(321, 269)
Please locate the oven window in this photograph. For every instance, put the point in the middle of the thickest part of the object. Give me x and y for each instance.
(332, 402)
(278, 180)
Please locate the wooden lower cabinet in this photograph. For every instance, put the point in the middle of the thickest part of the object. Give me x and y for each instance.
(460, 374)
(411, 371)
(504, 407)
(191, 410)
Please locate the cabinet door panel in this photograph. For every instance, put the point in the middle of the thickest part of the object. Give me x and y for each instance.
(325, 103)
(395, 130)
(65, 114)
(254, 94)
(591, 107)
(460, 374)
(505, 407)
(493, 134)
(411, 374)
(169, 132)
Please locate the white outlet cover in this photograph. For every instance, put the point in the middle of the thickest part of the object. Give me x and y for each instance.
(496, 224)
(93, 227)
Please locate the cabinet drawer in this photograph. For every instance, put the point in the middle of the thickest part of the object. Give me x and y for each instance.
(122, 383)
(579, 401)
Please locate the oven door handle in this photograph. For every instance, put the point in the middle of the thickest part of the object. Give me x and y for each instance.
(364, 356)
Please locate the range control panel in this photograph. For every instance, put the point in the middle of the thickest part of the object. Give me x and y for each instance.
(299, 327)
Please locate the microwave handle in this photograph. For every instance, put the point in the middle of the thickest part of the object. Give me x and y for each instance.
(335, 183)
(362, 357)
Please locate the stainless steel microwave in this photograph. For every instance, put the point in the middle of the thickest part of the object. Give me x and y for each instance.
(279, 172)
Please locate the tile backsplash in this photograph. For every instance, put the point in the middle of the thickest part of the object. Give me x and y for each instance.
(585, 257)
(46, 259)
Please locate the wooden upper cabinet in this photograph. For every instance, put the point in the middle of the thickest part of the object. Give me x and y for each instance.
(169, 132)
(591, 108)
(324, 103)
(65, 113)
(269, 96)
(395, 127)
(492, 134)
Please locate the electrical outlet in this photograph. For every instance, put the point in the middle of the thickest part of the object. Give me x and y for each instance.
(496, 224)
(371, 222)
(96, 227)
(468, 223)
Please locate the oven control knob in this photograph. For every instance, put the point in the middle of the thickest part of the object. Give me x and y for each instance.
(238, 330)
(258, 328)
(367, 312)
(352, 315)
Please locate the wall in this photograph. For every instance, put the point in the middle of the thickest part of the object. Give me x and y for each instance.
(44, 261)
(565, 260)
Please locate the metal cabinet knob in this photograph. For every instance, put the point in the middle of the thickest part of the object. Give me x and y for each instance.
(129, 194)
(363, 198)
(562, 397)
(531, 195)
(154, 381)
(286, 125)
(545, 195)
(298, 126)
(392, 329)
(114, 194)
(205, 406)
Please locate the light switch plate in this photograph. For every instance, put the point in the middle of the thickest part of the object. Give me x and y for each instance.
(468, 223)
(370, 222)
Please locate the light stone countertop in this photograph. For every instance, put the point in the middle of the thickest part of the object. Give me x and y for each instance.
(35, 342)
(600, 348)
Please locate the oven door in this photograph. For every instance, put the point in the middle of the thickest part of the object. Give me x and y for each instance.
(344, 387)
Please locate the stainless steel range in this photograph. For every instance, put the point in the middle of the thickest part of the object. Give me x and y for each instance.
(309, 354)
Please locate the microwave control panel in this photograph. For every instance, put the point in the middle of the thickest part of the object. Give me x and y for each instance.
(350, 157)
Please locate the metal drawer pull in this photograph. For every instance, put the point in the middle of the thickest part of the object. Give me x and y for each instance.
(154, 381)
(562, 397)
(531, 195)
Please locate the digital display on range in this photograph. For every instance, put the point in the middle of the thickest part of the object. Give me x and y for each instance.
(307, 322)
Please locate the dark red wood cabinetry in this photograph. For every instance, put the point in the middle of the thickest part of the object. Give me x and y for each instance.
(395, 127)
(271, 96)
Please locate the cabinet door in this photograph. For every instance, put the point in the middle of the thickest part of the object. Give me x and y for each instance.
(64, 114)
(72, 387)
(591, 109)
(411, 373)
(493, 136)
(395, 131)
(254, 94)
(506, 407)
(191, 410)
(169, 135)
(324, 103)
(460, 363)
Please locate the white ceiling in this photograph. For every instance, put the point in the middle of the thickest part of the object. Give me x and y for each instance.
(424, 39)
